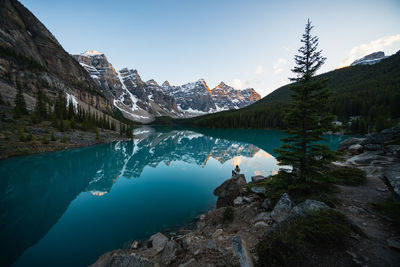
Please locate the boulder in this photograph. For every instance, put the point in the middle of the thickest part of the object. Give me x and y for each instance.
(229, 190)
(263, 216)
(135, 244)
(258, 178)
(344, 145)
(282, 209)
(367, 158)
(378, 138)
(238, 201)
(170, 252)
(120, 259)
(242, 252)
(190, 263)
(392, 176)
(261, 225)
(267, 204)
(355, 149)
(158, 241)
(258, 190)
(217, 233)
(307, 206)
(211, 245)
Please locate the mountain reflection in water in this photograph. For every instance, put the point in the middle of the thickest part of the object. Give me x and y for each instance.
(68, 207)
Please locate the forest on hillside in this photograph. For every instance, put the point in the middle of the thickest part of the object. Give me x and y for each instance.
(364, 98)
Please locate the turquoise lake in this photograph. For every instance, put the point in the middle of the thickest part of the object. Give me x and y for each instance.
(66, 208)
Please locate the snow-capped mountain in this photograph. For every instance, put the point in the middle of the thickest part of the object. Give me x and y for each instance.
(370, 59)
(227, 97)
(143, 101)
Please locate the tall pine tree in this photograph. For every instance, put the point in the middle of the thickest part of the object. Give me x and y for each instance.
(306, 118)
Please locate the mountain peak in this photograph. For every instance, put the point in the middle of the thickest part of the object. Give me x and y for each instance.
(166, 84)
(369, 59)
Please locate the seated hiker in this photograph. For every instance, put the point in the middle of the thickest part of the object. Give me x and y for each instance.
(236, 171)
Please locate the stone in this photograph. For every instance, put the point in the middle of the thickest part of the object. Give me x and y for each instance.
(282, 209)
(263, 216)
(356, 149)
(202, 217)
(229, 190)
(169, 252)
(211, 244)
(393, 149)
(355, 210)
(261, 224)
(217, 233)
(393, 243)
(307, 206)
(372, 147)
(258, 190)
(267, 204)
(238, 201)
(392, 175)
(135, 244)
(118, 259)
(242, 252)
(258, 178)
(366, 158)
(158, 241)
(349, 142)
(190, 263)
(247, 199)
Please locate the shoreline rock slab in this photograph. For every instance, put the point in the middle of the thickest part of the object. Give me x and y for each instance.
(392, 175)
(158, 241)
(242, 252)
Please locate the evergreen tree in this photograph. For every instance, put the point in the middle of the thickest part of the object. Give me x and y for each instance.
(71, 111)
(306, 120)
(20, 105)
(40, 106)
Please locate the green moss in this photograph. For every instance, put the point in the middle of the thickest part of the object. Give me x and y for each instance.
(325, 229)
(347, 176)
(229, 215)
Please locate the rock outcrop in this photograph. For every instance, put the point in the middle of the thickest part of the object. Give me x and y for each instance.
(229, 190)
(379, 154)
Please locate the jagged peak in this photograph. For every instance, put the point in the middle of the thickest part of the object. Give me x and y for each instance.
(166, 84)
(151, 82)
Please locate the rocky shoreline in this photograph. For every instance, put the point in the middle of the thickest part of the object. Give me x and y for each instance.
(229, 235)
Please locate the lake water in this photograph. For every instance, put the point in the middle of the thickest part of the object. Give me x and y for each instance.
(67, 208)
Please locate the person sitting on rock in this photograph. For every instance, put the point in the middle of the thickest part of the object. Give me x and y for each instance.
(236, 171)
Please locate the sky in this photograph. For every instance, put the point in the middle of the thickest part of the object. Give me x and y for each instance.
(243, 43)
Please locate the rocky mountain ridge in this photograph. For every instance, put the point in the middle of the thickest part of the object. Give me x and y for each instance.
(370, 59)
(142, 101)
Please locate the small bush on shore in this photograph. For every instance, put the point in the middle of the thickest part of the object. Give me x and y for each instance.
(347, 176)
(228, 215)
(324, 229)
(389, 209)
(45, 139)
(52, 136)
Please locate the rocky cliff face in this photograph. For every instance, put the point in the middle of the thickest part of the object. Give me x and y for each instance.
(370, 59)
(30, 56)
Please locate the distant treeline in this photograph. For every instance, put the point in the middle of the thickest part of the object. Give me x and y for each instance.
(364, 97)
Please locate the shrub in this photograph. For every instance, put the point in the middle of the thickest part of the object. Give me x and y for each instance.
(45, 139)
(21, 135)
(28, 137)
(228, 215)
(324, 229)
(347, 176)
(389, 209)
(52, 136)
(64, 139)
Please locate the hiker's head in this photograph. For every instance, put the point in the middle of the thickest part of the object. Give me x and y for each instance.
(237, 166)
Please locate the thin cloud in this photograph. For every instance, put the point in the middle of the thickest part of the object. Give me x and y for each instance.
(259, 70)
(278, 66)
(236, 83)
(362, 50)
